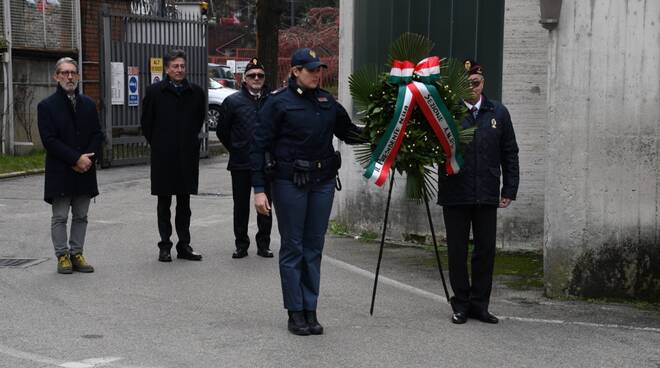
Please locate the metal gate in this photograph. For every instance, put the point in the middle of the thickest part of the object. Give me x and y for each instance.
(133, 40)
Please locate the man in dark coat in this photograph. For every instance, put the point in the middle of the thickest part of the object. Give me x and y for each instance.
(71, 134)
(471, 198)
(173, 112)
(237, 121)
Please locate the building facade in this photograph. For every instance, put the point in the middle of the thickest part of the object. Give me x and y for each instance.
(585, 104)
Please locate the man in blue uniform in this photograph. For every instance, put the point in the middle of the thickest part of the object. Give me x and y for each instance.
(471, 199)
(295, 127)
(237, 120)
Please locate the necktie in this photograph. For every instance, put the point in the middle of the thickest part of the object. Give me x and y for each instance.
(474, 111)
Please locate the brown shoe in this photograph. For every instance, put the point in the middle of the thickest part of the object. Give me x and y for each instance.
(80, 264)
(64, 264)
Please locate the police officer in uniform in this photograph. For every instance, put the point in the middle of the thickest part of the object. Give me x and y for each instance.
(470, 199)
(293, 142)
(237, 120)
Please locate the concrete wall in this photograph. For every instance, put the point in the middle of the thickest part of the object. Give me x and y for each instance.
(602, 203)
(360, 205)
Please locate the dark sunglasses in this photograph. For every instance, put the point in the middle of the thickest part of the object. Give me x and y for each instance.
(475, 83)
(255, 76)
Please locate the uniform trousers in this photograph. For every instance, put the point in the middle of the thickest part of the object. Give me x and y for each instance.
(79, 205)
(302, 218)
(471, 296)
(241, 188)
(181, 220)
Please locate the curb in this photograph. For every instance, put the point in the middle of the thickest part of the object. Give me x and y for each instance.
(21, 173)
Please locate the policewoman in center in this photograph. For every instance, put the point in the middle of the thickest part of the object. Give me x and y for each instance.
(293, 148)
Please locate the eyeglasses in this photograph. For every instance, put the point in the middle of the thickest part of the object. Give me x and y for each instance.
(475, 82)
(255, 76)
(68, 73)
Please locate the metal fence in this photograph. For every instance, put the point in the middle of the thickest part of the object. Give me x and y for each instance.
(43, 24)
(129, 42)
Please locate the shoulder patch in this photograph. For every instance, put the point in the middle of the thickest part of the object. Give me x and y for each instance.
(279, 90)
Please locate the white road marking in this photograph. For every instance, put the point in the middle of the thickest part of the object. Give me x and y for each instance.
(90, 363)
(110, 222)
(86, 363)
(437, 298)
(6, 350)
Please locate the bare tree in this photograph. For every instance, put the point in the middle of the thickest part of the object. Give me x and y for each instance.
(268, 24)
(24, 110)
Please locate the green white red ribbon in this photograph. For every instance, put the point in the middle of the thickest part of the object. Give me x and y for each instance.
(412, 93)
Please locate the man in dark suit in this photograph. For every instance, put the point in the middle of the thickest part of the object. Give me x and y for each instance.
(471, 199)
(173, 112)
(70, 132)
(235, 128)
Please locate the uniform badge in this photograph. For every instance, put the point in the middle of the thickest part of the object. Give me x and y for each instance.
(468, 65)
(322, 99)
(300, 91)
(312, 53)
(254, 61)
(493, 123)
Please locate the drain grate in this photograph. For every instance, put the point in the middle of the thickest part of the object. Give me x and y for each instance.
(20, 262)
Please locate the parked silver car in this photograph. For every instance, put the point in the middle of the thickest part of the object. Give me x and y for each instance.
(216, 94)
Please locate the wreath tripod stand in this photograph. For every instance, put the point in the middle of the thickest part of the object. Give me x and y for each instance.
(382, 244)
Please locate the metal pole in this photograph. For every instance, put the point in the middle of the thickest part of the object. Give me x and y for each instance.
(78, 39)
(293, 8)
(9, 84)
(106, 87)
(435, 245)
(382, 244)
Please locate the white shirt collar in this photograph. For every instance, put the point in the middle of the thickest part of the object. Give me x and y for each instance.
(477, 105)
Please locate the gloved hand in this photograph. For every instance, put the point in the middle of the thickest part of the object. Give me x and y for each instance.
(269, 165)
(300, 178)
(301, 172)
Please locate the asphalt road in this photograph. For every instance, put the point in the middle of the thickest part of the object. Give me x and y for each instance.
(136, 312)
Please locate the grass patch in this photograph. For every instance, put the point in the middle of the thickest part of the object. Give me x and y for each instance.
(368, 236)
(337, 228)
(525, 269)
(32, 161)
(517, 270)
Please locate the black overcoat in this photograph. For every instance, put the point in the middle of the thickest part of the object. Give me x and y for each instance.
(493, 153)
(171, 121)
(67, 134)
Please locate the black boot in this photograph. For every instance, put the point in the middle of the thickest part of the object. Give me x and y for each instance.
(315, 327)
(297, 324)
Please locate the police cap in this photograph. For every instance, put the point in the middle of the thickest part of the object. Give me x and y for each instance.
(307, 59)
(253, 64)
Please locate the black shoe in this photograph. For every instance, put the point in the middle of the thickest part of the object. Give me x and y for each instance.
(297, 324)
(188, 253)
(266, 253)
(239, 253)
(315, 327)
(164, 256)
(484, 316)
(459, 318)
